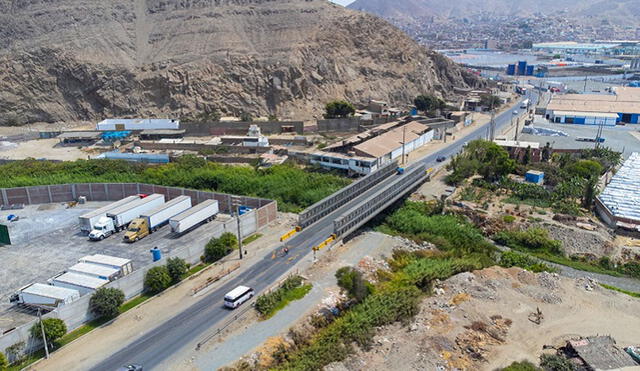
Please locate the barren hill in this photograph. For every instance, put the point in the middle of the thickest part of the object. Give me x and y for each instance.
(85, 60)
(412, 9)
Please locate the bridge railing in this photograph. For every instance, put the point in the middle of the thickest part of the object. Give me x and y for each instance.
(368, 208)
(326, 206)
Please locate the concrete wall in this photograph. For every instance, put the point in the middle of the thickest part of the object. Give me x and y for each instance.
(339, 125)
(239, 128)
(202, 147)
(77, 313)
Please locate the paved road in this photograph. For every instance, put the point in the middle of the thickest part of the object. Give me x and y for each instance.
(152, 349)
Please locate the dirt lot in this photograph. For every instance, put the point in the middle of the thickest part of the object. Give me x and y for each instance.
(42, 148)
(479, 321)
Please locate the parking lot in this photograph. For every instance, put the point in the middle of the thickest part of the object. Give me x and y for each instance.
(47, 240)
(620, 138)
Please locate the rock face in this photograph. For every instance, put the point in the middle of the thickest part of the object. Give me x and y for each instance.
(73, 60)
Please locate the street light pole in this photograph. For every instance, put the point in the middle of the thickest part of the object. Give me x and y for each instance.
(44, 336)
(235, 202)
(404, 134)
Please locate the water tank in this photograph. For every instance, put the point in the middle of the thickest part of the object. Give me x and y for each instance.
(522, 68)
(511, 69)
(156, 253)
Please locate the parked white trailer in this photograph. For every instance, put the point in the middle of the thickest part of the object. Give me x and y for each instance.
(123, 215)
(97, 271)
(76, 281)
(88, 220)
(202, 212)
(137, 124)
(161, 215)
(47, 295)
(125, 266)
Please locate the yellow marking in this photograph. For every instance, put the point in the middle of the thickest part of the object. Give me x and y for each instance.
(288, 234)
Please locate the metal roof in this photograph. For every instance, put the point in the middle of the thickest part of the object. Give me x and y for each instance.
(136, 203)
(80, 134)
(586, 114)
(94, 269)
(50, 291)
(392, 140)
(166, 205)
(518, 144)
(625, 100)
(107, 208)
(622, 195)
(81, 280)
(106, 259)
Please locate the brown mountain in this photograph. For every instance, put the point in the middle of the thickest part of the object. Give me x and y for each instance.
(71, 60)
(412, 9)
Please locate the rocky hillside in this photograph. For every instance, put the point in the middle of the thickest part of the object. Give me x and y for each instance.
(73, 60)
(414, 9)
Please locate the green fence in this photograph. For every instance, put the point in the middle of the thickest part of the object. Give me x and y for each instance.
(4, 235)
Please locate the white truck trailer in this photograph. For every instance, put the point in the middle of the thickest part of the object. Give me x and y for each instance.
(202, 212)
(40, 294)
(95, 270)
(88, 220)
(125, 266)
(149, 222)
(76, 281)
(123, 215)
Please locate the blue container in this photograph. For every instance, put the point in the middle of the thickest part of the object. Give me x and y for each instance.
(522, 68)
(157, 254)
(414, 112)
(536, 177)
(243, 210)
(511, 69)
(530, 70)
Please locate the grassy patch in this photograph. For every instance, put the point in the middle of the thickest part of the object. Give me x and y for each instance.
(527, 201)
(579, 265)
(30, 359)
(80, 331)
(195, 269)
(292, 295)
(630, 293)
(293, 288)
(134, 302)
(251, 238)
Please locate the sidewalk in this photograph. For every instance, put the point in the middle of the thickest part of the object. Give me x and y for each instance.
(100, 343)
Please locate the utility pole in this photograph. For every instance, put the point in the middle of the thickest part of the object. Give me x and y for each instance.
(492, 126)
(404, 134)
(236, 205)
(44, 336)
(585, 85)
(517, 126)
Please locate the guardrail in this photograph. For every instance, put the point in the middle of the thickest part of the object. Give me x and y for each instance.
(290, 234)
(326, 206)
(364, 211)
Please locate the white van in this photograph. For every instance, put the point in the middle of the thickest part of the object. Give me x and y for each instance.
(237, 296)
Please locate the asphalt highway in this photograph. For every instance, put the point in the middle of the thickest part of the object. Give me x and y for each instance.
(153, 348)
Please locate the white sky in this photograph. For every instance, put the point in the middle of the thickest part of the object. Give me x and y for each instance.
(343, 2)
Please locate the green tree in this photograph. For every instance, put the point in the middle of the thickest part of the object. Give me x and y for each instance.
(4, 364)
(54, 328)
(229, 240)
(546, 152)
(339, 108)
(552, 362)
(522, 366)
(351, 281)
(246, 117)
(157, 279)
(585, 169)
(590, 190)
(428, 103)
(481, 157)
(215, 250)
(177, 268)
(526, 159)
(490, 101)
(106, 301)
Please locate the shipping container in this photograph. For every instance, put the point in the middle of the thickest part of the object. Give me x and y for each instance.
(161, 215)
(124, 265)
(522, 68)
(47, 295)
(123, 215)
(95, 270)
(75, 281)
(202, 212)
(89, 219)
(511, 69)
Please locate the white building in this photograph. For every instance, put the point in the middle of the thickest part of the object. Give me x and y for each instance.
(137, 124)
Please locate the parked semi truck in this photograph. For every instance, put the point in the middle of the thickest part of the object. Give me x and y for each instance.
(201, 213)
(156, 218)
(88, 220)
(119, 218)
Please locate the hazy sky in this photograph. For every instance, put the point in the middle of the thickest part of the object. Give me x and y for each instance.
(343, 2)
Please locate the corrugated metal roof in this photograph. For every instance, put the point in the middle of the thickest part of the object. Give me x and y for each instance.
(81, 280)
(585, 114)
(94, 269)
(622, 195)
(106, 259)
(625, 100)
(50, 291)
(392, 140)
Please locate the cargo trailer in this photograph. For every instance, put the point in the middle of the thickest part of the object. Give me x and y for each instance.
(88, 220)
(123, 215)
(40, 294)
(76, 281)
(156, 218)
(201, 213)
(97, 271)
(125, 266)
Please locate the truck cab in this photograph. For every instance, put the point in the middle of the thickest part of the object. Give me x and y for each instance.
(102, 229)
(138, 229)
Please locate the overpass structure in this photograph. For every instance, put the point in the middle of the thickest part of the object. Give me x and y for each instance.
(332, 218)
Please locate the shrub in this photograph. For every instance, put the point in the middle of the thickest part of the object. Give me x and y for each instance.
(157, 279)
(215, 250)
(339, 108)
(351, 281)
(534, 238)
(428, 103)
(291, 289)
(106, 301)
(522, 366)
(4, 364)
(177, 268)
(552, 362)
(54, 328)
(513, 259)
(229, 240)
(508, 218)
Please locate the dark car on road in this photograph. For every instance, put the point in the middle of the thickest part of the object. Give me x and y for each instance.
(441, 158)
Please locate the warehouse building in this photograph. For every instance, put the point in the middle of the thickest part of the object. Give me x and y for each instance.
(622, 106)
(137, 124)
(619, 204)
